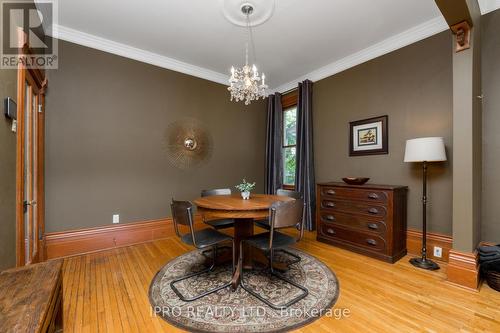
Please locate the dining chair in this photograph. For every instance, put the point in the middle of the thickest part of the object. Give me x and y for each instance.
(182, 214)
(219, 223)
(283, 214)
(264, 224)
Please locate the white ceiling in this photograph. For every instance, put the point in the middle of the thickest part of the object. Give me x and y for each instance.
(303, 39)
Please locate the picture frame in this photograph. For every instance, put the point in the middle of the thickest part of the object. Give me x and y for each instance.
(369, 136)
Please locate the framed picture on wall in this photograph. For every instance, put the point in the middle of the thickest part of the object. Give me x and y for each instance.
(369, 137)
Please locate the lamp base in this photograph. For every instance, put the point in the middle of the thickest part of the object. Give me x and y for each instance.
(424, 263)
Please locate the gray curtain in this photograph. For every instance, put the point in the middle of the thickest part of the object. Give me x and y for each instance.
(274, 172)
(304, 173)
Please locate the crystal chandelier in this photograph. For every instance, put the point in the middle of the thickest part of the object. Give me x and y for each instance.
(245, 82)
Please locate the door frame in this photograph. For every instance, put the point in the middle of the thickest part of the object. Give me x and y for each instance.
(37, 79)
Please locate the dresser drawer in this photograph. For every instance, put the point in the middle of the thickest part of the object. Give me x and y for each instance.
(353, 221)
(354, 194)
(364, 239)
(355, 207)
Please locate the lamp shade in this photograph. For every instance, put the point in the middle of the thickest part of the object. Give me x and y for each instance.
(425, 150)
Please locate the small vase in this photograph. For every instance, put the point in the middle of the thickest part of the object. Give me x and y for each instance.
(245, 195)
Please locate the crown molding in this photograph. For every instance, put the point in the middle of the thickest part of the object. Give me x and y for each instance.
(388, 45)
(488, 6)
(106, 45)
(410, 36)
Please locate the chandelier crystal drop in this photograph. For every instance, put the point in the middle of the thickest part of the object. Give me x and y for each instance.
(245, 83)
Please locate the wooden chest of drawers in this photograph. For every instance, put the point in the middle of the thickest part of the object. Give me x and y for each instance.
(368, 219)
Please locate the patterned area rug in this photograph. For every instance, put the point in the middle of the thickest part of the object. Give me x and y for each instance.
(238, 311)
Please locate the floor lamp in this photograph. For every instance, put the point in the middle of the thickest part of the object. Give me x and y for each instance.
(424, 150)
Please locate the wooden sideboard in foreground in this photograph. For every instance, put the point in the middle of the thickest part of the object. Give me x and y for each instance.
(31, 298)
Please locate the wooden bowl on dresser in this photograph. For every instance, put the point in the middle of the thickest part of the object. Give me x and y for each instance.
(355, 180)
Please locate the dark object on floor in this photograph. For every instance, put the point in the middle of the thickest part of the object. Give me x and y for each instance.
(309, 272)
(31, 298)
(182, 214)
(355, 180)
(424, 263)
(491, 272)
(484, 259)
(488, 253)
(489, 259)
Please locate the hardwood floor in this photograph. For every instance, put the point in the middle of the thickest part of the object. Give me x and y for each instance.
(107, 292)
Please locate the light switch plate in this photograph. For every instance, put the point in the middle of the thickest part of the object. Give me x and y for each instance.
(116, 218)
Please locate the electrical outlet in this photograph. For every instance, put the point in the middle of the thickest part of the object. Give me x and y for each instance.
(438, 252)
(116, 218)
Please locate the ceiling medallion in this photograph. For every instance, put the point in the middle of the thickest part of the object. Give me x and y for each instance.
(262, 11)
(245, 83)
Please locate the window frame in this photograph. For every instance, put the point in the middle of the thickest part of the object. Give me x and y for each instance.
(288, 101)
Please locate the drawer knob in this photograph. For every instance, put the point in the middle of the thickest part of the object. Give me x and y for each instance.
(330, 217)
(372, 242)
(373, 196)
(373, 211)
(330, 231)
(329, 204)
(331, 192)
(372, 226)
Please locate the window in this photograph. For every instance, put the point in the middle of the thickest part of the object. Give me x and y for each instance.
(289, 150)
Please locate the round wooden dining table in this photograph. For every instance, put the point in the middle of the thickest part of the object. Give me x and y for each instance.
(244, 213)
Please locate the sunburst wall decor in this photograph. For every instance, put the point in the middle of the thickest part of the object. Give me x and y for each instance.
(187, 143)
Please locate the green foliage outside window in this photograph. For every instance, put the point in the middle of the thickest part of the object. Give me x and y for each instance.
(289, 142)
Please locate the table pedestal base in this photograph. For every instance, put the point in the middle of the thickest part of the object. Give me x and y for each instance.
(252, 257)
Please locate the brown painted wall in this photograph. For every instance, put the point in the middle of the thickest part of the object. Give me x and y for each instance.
(413, 86)
(8, 82)
(490, 227)
(106, 119)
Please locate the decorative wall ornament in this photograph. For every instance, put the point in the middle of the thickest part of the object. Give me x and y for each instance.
(462, 36)
(369, 137)
(187, 143)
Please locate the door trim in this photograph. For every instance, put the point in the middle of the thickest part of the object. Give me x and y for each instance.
(39, 82)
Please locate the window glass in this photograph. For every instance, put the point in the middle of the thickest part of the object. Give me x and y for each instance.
(289, 161)
(290, 126)
(289, 142)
